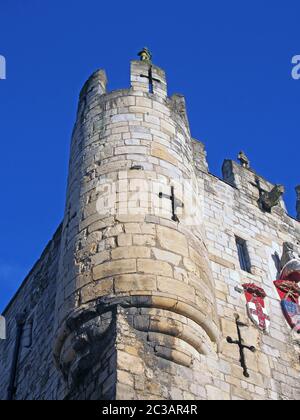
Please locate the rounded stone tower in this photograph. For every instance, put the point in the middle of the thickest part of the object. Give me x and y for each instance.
(135, 308)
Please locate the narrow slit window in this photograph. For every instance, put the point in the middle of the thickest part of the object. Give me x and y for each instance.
(243, 255)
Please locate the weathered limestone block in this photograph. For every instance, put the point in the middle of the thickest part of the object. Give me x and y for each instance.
(175, 287)
(96, 290)
(169, 257)
(114, 267)
(135, 282)
(172, 240)
(131, 252)
(155, 267)
(161, 153)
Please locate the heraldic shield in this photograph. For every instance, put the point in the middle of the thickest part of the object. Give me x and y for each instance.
(288, 285)
(256, 306)
(289, 293)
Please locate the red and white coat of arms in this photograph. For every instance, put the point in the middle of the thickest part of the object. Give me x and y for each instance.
(288, 285)
(289, 293)
(288, 289)
(256, 306)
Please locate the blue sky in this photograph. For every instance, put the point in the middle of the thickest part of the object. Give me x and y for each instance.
(232, 61)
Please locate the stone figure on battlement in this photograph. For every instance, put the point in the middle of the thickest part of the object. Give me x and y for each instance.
(145, 54)
(245, 162)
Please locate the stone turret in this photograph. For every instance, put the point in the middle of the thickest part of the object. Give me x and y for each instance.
(136, 306)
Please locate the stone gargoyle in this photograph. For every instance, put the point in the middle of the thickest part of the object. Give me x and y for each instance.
(271, 199)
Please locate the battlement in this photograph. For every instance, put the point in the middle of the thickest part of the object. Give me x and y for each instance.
(257, 188)
(149, 81)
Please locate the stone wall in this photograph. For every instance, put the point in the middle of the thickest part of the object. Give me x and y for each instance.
(37, 377)
(230, 212)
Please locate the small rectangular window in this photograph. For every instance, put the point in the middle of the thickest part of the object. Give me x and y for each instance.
(243, 254)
